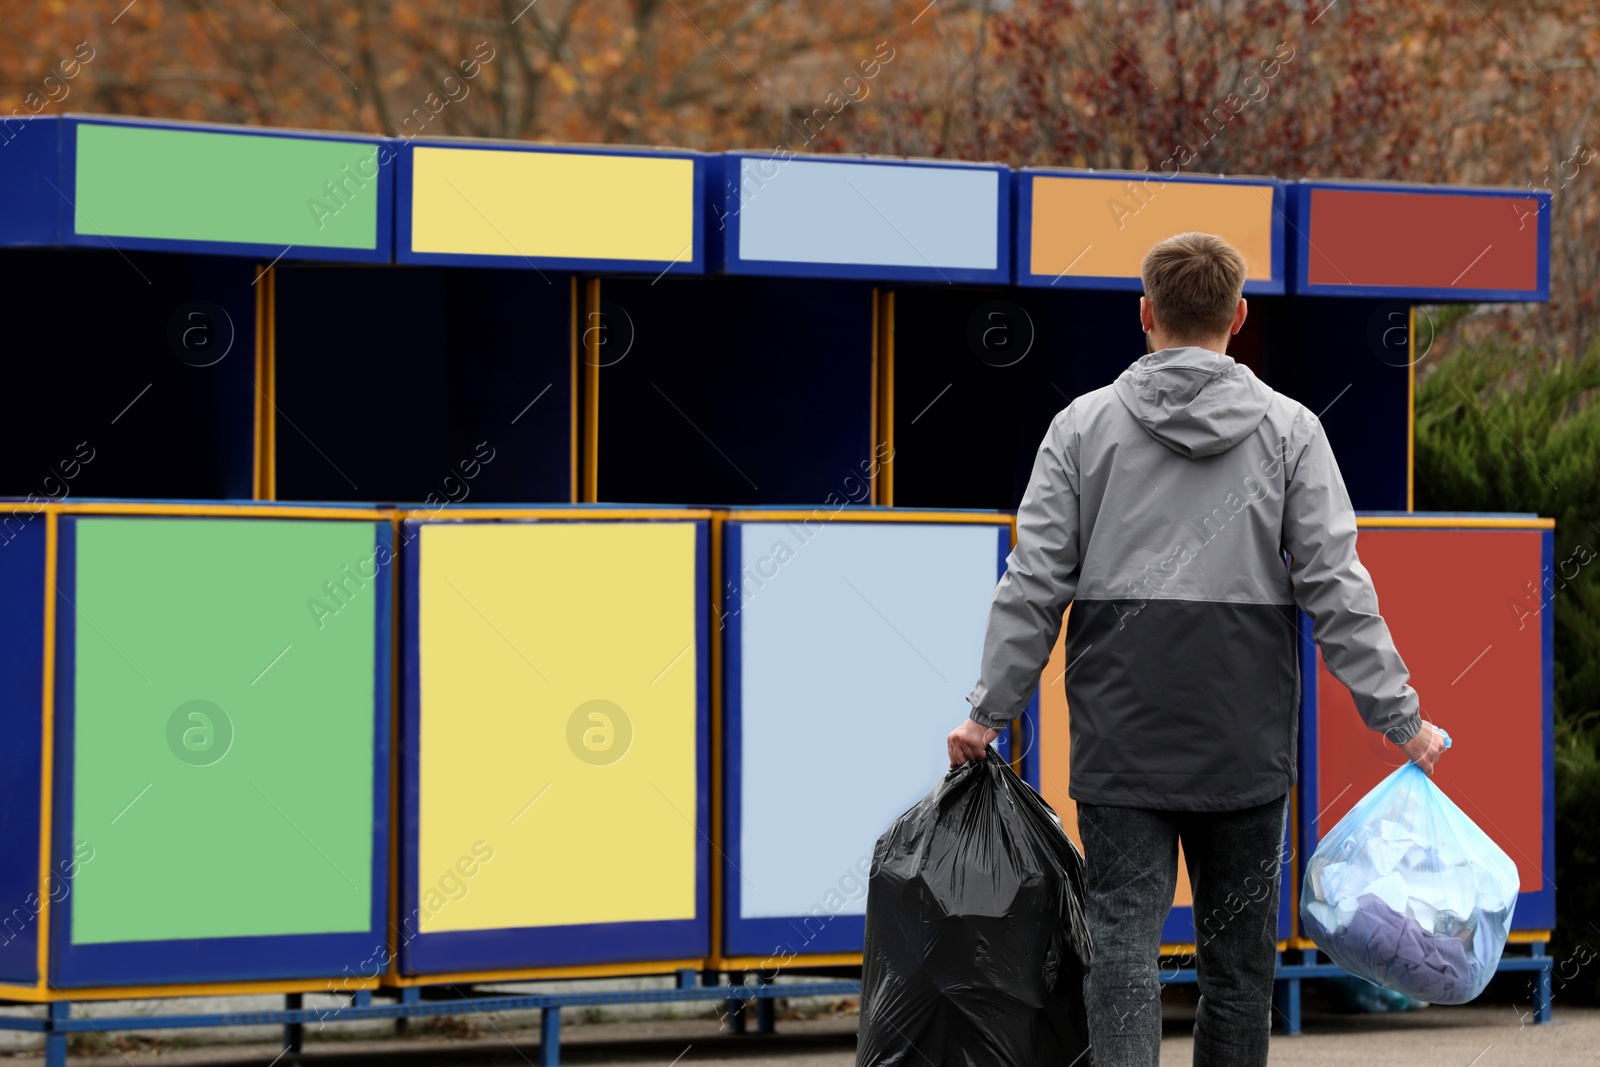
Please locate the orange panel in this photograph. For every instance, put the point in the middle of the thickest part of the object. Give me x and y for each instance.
(1102, 227)
(1055, 742)
(1462, 605)
(1055, 754)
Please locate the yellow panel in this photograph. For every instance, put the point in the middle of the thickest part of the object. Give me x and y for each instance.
(521, 626)
(492, 202)
(1055, 755)
(1102, 227)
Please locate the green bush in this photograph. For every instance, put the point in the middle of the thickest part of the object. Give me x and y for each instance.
(1503, 430)
(1577, 937)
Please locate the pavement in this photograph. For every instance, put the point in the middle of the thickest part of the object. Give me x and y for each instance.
(1473, 1036)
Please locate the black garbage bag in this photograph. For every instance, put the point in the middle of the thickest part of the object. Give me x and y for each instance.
(977, 943)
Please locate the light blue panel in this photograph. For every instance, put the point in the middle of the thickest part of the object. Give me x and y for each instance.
(878, 214)
(857, 654)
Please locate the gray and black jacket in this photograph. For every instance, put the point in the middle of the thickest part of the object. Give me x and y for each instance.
(1161, 508)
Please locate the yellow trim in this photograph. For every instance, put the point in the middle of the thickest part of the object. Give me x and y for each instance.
(576, 331)
(591, 398)
(288, 511)
(43, 994)
(1438, 521)
(269, 432)
(989, 519)
(886, 397)
(718, 532)
(574, 514)
(875, 482)
(1516, 937)
(756, 963)
(47, 749)
(1189, 950)
(596, 970)
(1411, 409)
(258, 469)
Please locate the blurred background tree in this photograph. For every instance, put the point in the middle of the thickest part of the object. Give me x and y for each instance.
(1486, 93)
(1501, 94)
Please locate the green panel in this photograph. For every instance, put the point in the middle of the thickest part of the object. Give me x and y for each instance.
(190, 185)
(263, 825)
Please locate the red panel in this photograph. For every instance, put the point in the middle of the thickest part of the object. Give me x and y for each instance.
(1433, 240)
(1453, 599)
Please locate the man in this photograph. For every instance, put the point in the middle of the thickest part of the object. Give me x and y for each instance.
(1161, 508)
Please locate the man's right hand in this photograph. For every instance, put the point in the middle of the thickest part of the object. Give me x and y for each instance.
(969, 741)
(1425, 748)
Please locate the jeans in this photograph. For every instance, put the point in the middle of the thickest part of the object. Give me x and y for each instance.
(1131, 870)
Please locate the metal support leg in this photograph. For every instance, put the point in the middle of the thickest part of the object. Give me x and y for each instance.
(687, 979)
(1541, 987)
(733, 1008)
(766, 1008)
(409, 995)
(549, 1037)
(363, 998)
(55, 1041)
(1286, 998)
(294, 1034)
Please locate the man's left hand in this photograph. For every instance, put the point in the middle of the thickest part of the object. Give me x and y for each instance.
(969, 741)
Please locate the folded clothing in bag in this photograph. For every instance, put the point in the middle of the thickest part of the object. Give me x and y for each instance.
(977, 943)
(1406, 892)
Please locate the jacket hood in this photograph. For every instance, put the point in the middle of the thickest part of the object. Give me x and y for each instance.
(1194, 401)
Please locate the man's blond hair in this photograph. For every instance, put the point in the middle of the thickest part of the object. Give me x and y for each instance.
(1193, 282)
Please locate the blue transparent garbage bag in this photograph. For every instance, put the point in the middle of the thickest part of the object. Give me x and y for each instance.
(1406, 892)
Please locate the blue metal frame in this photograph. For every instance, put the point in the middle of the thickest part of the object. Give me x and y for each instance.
(1542, 905)
(1024, 225)
(383, 239)
(1306, 757)
(784, 937)
(1030, 719)
(728, 260)
(456, 951)
(212, 959)
(30, 211)
(695, 264)
(22, 600)
(1299, 245)
(1535, 910)
(57, 1022)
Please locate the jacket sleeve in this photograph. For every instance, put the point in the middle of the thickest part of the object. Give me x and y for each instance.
(1331, 585)
(1041, 577)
